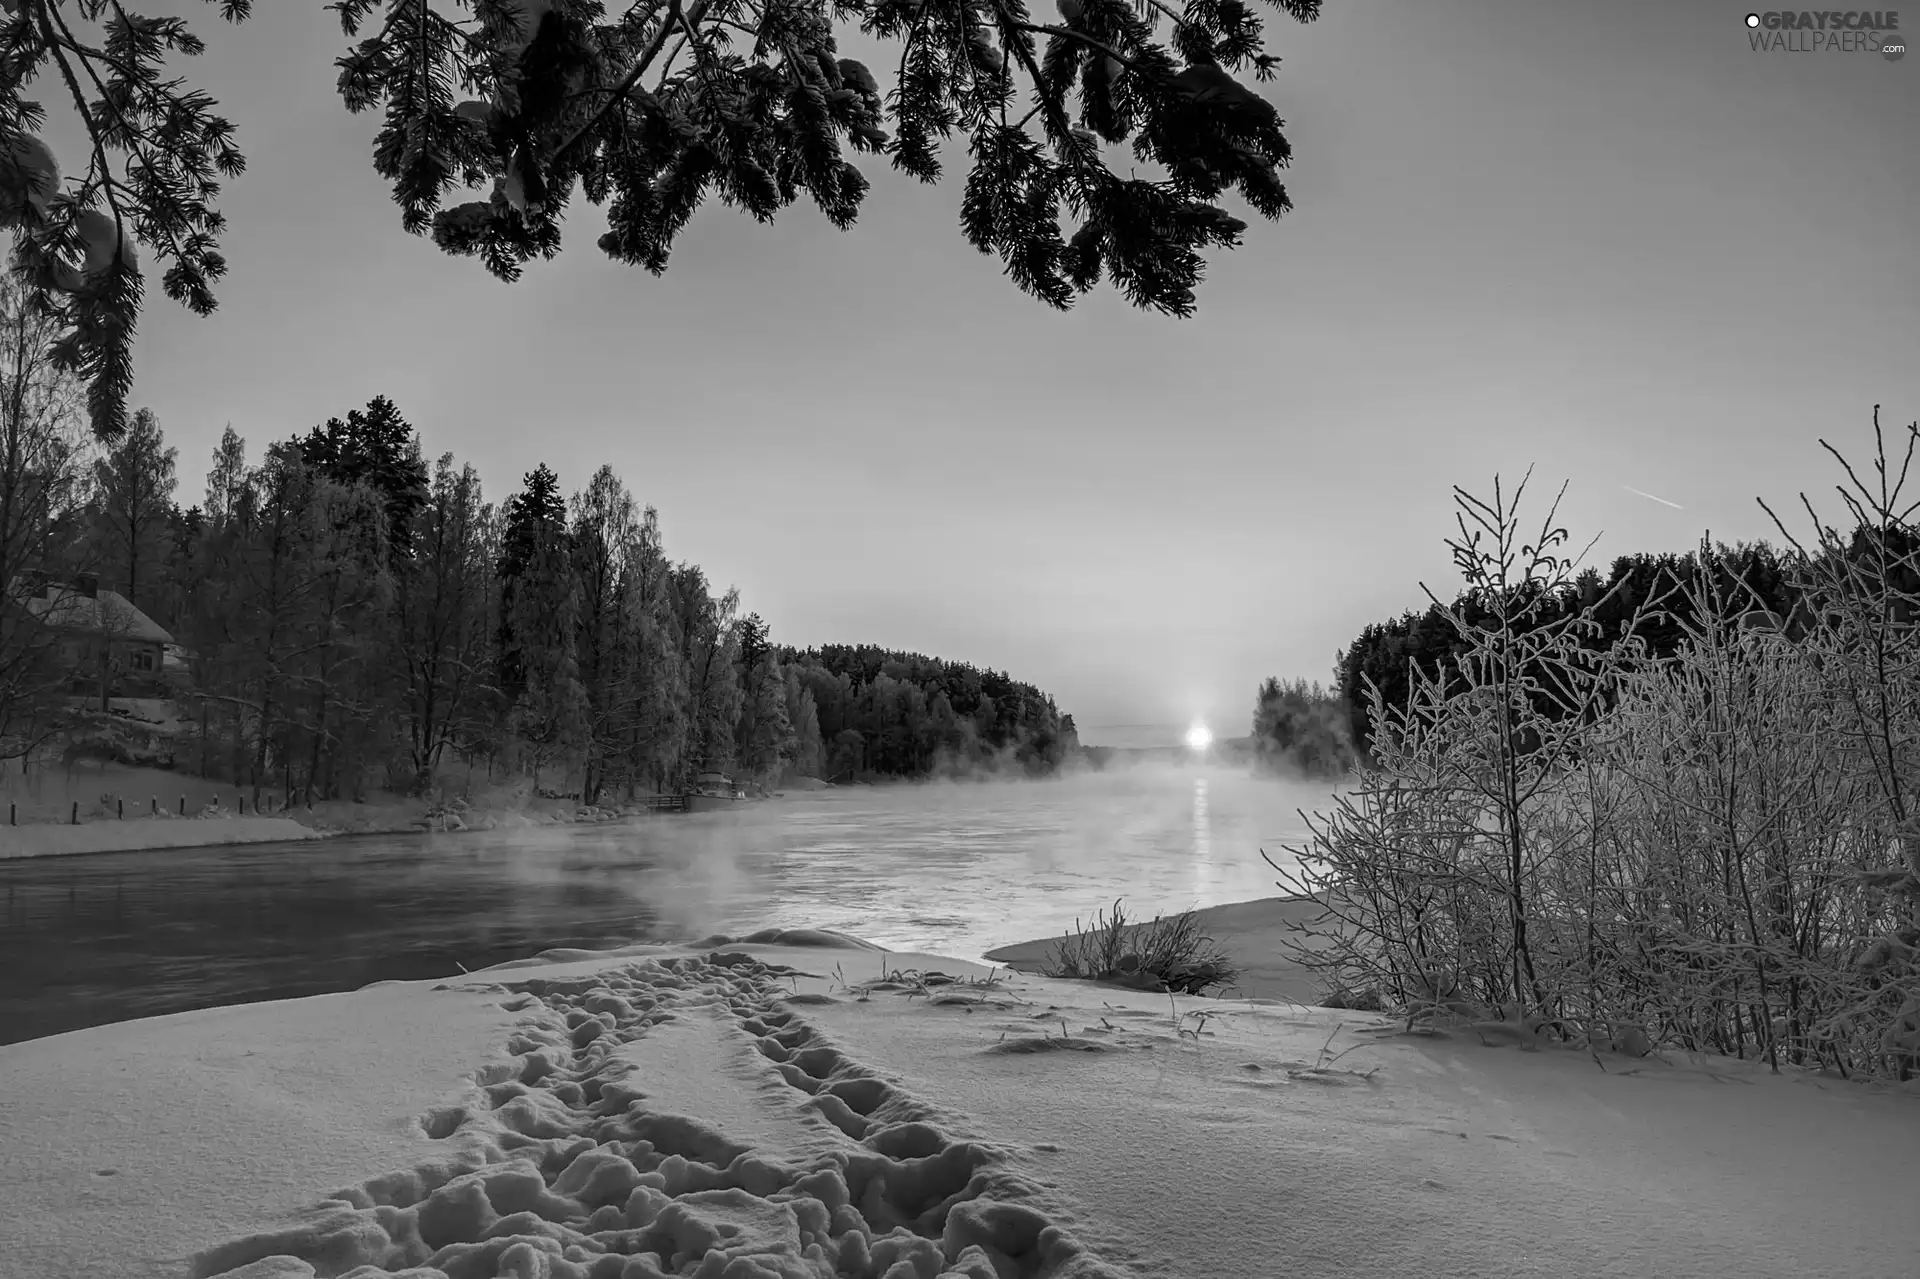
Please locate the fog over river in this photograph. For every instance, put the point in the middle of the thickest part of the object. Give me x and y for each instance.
(952, 868)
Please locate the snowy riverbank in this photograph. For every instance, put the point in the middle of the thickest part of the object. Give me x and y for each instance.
(218, 813)
(399, 817)
(49, 840)
(828, 1109)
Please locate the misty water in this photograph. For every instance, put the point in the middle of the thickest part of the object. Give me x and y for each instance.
(954, 869)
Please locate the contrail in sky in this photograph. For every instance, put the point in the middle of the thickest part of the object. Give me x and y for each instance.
(1651, 498)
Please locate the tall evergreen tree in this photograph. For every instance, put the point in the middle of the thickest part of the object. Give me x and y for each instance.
(228, 476)
(379, 448)
(753, 641)
(533, 517)
(539, 603)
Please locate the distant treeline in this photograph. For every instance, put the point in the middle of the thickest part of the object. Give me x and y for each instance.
(354, 616)
(906, 715)
(1747, 577)
(1308, 728)
(1300, 728)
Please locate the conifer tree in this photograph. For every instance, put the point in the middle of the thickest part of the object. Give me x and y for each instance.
(497, 112)
(228, 476)
(533, 515)
(379, 448)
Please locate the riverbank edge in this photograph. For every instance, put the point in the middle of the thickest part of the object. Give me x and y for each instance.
(170, 834)
(146, 834)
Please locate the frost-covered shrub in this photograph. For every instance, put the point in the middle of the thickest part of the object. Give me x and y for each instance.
(1718, 851)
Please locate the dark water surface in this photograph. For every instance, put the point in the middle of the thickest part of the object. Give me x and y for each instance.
(952, 869)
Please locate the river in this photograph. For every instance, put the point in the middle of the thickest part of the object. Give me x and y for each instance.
(955, 869)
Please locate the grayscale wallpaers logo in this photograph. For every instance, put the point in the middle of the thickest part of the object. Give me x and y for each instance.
(1851, 31)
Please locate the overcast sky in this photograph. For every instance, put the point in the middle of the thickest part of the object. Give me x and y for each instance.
(1608, 240)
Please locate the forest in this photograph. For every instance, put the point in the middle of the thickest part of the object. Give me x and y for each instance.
(1652, 600)
(354, 616)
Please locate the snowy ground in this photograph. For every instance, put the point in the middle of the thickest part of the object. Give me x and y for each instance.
(48, 840)
(749, 1110)
(43, 801)
(1254, 934)
(46, 793)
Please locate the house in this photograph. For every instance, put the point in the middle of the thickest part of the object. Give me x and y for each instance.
(108, 646)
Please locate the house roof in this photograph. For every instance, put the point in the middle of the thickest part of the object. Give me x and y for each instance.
(107, 612)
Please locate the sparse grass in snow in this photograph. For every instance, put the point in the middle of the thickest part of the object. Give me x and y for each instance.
(1162, 954)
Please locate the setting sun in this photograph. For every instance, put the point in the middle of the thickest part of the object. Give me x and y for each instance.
(1198, 737)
